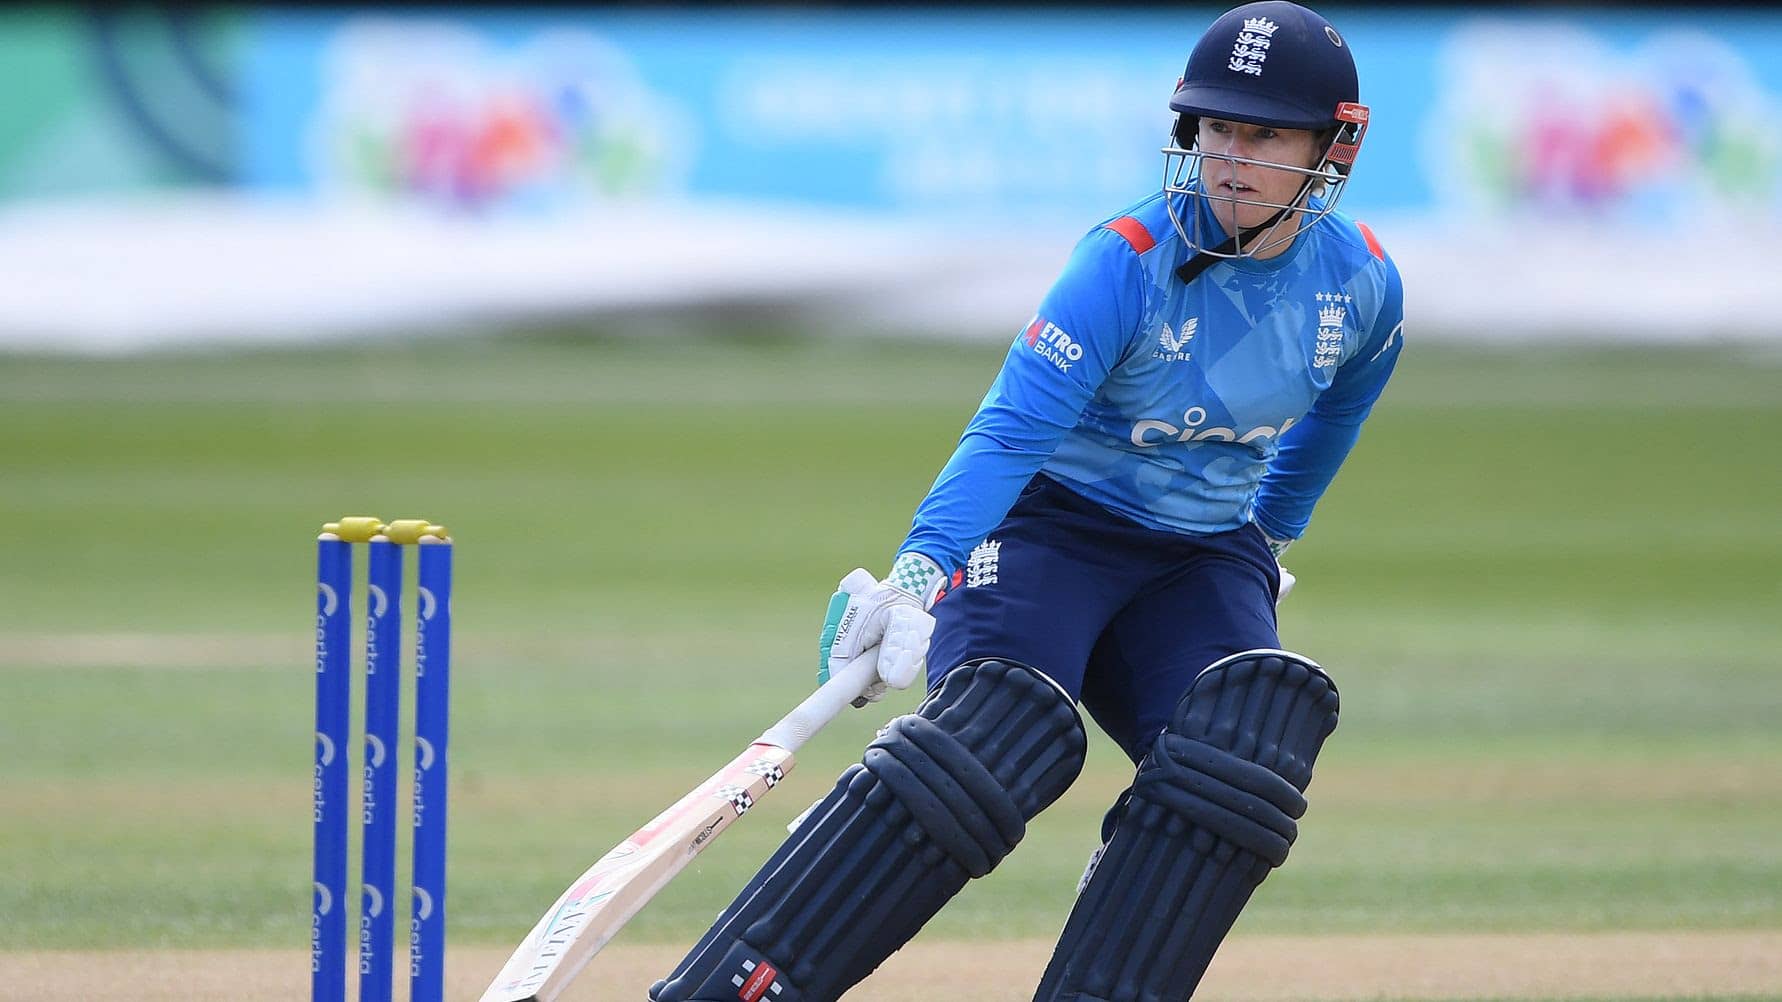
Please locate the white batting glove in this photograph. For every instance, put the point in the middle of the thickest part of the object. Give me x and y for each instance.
(1287, 583)
(892, 613)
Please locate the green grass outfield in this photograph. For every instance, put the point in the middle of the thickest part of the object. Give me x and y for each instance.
(1547, 586)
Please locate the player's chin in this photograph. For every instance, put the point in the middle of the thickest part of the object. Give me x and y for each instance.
(1250, 216)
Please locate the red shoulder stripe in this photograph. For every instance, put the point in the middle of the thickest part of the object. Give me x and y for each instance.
(1134, 232)
(1373, 242)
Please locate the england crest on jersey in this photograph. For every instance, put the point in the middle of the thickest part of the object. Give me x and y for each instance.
(1333, 309)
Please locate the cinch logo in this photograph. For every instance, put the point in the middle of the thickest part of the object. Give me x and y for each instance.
(1150, 433)
(1051, 343)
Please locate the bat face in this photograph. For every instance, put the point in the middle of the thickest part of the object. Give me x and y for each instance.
(625, 879)
(599, 903)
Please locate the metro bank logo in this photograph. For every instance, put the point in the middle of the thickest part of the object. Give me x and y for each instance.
(1050, 342)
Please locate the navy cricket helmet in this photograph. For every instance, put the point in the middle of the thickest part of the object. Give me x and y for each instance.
(1275, 64)
(1269, 63)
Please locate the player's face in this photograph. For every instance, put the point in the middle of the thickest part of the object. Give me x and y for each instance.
(1252, 182)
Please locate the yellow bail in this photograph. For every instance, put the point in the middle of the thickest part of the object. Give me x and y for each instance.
(355, 528)
(413, 530)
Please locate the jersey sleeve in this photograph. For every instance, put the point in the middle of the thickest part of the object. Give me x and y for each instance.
(1312, 450)
(1084, 329)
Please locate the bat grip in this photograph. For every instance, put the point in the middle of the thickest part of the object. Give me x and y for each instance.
(822, 706)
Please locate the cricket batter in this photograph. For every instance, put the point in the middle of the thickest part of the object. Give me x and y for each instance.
(1107, 532)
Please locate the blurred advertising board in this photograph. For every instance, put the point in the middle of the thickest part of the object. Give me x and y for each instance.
(105, 99)
(276, 173)
(1659, 120)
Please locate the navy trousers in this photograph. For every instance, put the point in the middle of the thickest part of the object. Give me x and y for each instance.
(1121, 615)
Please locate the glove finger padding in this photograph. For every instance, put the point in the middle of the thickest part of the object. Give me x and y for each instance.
(903, 654)
(904, 651)
(858, 582)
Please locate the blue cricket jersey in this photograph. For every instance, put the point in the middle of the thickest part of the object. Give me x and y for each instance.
(1186, 407)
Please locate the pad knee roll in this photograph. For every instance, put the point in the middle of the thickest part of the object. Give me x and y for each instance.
(1214, 807)
(940, 797)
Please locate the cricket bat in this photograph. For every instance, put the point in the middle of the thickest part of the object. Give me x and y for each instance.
(615, 888)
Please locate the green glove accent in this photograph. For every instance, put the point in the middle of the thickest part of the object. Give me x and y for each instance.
(838, 604)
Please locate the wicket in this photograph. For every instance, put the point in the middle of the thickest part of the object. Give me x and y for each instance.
(377, 808)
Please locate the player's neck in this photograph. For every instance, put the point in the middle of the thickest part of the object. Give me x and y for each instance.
(1274, 241)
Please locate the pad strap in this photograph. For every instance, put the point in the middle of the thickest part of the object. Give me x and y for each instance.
(1232, 799)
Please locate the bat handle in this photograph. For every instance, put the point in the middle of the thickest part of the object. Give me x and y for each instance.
(822, 706)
